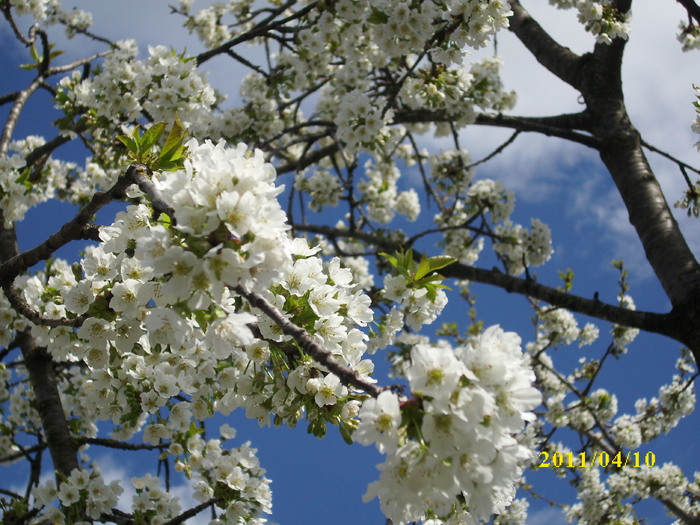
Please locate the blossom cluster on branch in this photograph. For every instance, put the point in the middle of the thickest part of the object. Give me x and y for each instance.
(204, 295)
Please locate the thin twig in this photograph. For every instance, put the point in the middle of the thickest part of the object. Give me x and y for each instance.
(669, 156)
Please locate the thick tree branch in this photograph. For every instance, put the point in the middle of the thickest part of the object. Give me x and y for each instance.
(63, 449)
(556, 126)
(621, 151)
(307, 343)
(561, 126)
(557, 59)
(10, 97)
(686, 517)
(15, 111)
(649, 321)
(692, 8)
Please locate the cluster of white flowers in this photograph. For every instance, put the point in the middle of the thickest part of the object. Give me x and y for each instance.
(520, 248)
(359, 120)
(491, 196)
(487, 86)
(39, 9)
(150, 502)
(48, 12)
(322, 186)
(600, 17)
(381, 196)
(417, 307)
(164, 320)
(207, 22)
(610, 500)
(517, 246)
(458, 91)
(82, 488)
(606, 495)
(399, 27)
(458, 459)
(624, 335)
(689, 36)
(171, 338)
(163, 85)
(20, 188)
(559, 326)
(234, 475)
(482, 20)
(449, 169)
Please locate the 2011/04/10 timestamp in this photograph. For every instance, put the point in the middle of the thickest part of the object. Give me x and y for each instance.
(601, 458)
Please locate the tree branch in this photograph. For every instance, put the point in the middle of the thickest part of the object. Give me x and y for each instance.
(15, 111)
(64, 451)
(561, 126)
(79, 226)
(192, 512)
(260, 29)
(555, 126)
(557, 59)
(670, 157)
(687, 518)
(307, 160)
(121, 445)
(649, 321)
(311, 347)
(621, 151)
(19, 304)
(692, 8)
(139, 174)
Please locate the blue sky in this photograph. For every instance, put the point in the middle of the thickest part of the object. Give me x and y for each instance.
(322, 481)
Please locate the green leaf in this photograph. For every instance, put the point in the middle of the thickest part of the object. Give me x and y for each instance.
(392, 260)
(136, 135)
(152, 136)
(202, 319)
(431, 278)
(377, 17)
(423, 268)
(130, 144)
(406, 260)
(345, 434)
(568, 278)
(440, 261)
(165, 220)
(174, 142)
